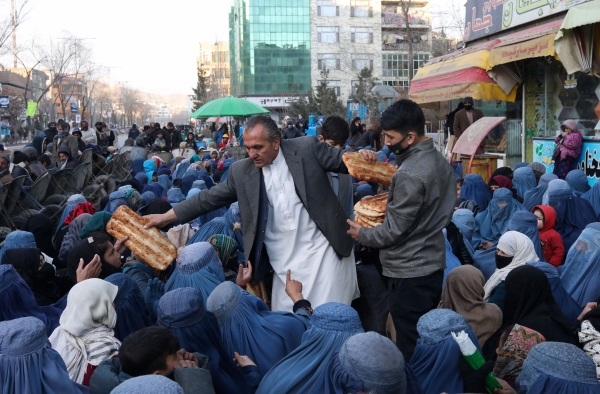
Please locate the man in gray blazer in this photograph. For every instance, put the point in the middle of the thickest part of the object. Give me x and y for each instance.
(291, 217)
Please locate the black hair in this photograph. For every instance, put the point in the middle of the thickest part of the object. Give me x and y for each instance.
(145, 351)
(459, 182)
(177, 182)
(403, 116)
(44, 159)
(99, 245)
(170, 124)
(335, 128)
(267, 122)
(156, 125)
(217, 176)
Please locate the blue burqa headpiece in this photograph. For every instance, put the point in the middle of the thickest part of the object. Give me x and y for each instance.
(485, 261)
(578, 182)
(154, 188)
(129, 305)
(558, 189)
(199, 267)
(182, 311)
(18, 239)
(534, 196)
(28, 364)
(115, 200)
(142, 178)
(331, 325)
(17, 300)
(464, 219)
(580, 275)
(72, 202)
(187, 181)
(150, 169)
(492, 223)
(137, 166)
(520, 164)
(199, 184)
(526, 223)
(524, 180)
(175, 196)
(367, 363)
(247, 324)
(593, 197)
(219, 225)
(474, 188)
(234, 215)
(181, 169)
(559, 368)
(165, 182)
(572, 213)
(566, 303)
(437, 355)
(148, 384)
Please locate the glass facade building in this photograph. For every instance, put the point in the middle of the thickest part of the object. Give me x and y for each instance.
(269, 47)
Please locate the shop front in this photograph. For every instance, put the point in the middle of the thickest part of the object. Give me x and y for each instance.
(525, 78)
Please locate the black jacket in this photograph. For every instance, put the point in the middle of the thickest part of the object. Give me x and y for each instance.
(289, 134)
(457, 242)
(175, 136)
(367, 139)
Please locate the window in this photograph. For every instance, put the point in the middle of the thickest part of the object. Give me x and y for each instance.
(394, 65)
(419, 60)
(361, 8)
(335, 85)
(328, 34)
(362, 60)
(401, 84)
(354, 84)
(327, 8)
(330, 61)
(361, 35)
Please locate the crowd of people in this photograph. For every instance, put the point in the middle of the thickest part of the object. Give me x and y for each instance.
(276, 289)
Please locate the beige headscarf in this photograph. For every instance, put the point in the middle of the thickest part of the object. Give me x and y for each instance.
(463, 293)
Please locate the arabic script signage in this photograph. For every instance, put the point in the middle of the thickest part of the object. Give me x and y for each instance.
(487, 17)
(588, 161)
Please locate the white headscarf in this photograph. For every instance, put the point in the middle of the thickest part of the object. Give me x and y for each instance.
(87, 324)
(515, 244)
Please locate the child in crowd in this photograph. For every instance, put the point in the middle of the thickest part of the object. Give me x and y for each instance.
(459, 183)
(177, 183)
(160, 145)
(552, 243)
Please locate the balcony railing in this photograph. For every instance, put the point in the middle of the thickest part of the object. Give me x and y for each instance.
(398, 20)
(403, 46)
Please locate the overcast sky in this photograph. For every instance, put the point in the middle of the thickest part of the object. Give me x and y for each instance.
(151, 45)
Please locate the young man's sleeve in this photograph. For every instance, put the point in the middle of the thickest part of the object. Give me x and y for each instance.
(558, 249)
(329, 158)
(402, 211)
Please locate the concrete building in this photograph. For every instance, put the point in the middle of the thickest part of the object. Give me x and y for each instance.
(163, 114)
(39, 80)
(214, 61)
(68, 95)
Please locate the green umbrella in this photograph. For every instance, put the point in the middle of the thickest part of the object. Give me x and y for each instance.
(228, 106)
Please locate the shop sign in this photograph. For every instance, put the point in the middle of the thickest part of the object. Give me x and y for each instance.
(588, 161)
(4, 102)
(272, 101)
(485, 17)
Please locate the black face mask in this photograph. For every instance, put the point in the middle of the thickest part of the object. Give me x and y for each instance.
(396, 149)
(503, 261)
(468, 107)
(45, 274)
(52, 129)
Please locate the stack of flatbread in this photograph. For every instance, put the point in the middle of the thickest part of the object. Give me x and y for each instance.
(362, 170)
(370, 211)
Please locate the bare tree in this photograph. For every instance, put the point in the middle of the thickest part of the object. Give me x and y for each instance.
(449, 17)
(9, 25)
(92, 76)
(405, 7)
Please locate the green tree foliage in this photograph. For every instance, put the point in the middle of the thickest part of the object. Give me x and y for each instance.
(322, 100)
(364, 95)
(200, 91)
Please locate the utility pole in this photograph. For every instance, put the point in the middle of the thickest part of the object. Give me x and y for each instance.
(13, 18)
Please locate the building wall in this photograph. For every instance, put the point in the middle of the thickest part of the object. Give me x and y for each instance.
(214, 60)
(345, 48)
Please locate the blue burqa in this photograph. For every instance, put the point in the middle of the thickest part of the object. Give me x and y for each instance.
(437, 355)
(183, 312)
(485, 261)
(137, 166)
(247, 324)
(154, 188)
(492, 223)
(581, 273)
(526, 223)
(28, 364)
(474, 188)
(593, 197)
(572, 214)
(219, 225)
(187, 181)
(129, 305)
(234, 215)
(150, 169)
(524, 180)
(566, 303)
(199, 267)
(115, 200)
(464, 219)
(578, 182)
(165, 182)
(331, 325)
(18, 239)
(533, 197)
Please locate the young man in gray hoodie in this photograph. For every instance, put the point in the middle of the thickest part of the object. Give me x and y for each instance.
(411, 244)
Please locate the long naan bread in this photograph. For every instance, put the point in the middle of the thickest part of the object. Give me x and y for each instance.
(362, 170)
(147, 244)
(373, 207)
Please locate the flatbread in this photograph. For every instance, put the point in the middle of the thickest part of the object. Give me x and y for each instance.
(362, 170)
(373, 207)
(367, 222)
(149, 245)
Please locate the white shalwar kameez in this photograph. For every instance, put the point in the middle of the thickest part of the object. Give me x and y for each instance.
(294, 241)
